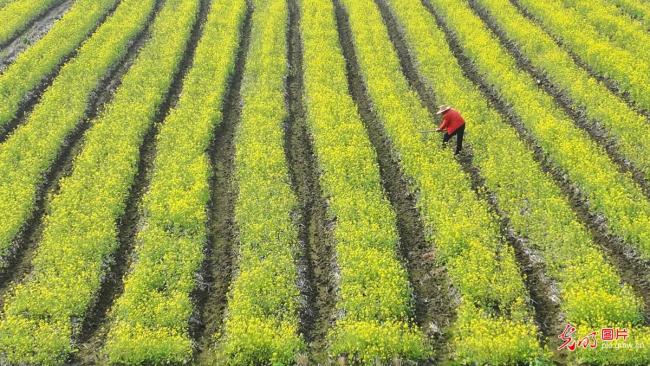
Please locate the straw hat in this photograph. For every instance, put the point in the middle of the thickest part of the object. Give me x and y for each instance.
(442, 109)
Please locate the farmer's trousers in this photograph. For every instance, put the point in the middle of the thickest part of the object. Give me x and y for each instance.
(459, 133)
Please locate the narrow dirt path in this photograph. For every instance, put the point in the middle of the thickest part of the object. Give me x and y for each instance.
(434, 297)
(543, 292)
(593, 128)
(32, 34)
(316, 265)
(218, 268)
(34, 96)
(95, 327)
(632, 268)
(27, 240)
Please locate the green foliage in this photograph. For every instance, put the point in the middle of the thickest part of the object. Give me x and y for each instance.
(261, 325)
(18, 14)
(40, 59)
(465, 234)
(30, 151)
(156, 305)
(630, 71)
(374, 291)
(43, 313)
(637, 9)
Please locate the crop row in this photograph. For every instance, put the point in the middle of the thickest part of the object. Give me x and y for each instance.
(630, 72)
(636, 9)
(31, 150)
(44, 313)
(629, 128)
(261, 325)
(620, 30)
(534, 205)
(39, 60)
(17, 15)
(151, 318)
(492, 295)
(375, 324)
(610, 192)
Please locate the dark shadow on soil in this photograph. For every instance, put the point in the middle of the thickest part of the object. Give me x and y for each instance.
(608, 82)
(95, 327)
(631, 266)
(434, 297)
(26, 242)
(542, 291)
(33, 97)
(217, 270)
(317, 262)
(593, 128)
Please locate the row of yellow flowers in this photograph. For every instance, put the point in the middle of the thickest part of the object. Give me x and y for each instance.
(591, 292)
(261, 325)
(17, 15)
(374, 294)
(42, 315)
(29, 153)
(638, 10)
(150, 320)
(40, 59)
(618, 29)
(627, 127)
(610, 192)
(494, 322)
(630, 71)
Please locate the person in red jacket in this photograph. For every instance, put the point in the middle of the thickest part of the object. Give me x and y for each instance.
(452, 125)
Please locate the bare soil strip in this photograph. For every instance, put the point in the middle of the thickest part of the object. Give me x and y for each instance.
(41, 26)
(608, 82)
(317, 262)
(543, 292)
(595, 130)
(37, 26)
(33, 97)
(633, 269)
(27, 240)
(217, 269)
(95, 326)
(434, 297)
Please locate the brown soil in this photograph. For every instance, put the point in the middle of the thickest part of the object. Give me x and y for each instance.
(317, 262)
(220, 259)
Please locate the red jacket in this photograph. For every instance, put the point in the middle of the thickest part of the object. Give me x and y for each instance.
(451, 121)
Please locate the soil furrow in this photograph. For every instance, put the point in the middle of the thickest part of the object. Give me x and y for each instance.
(593, 128)
(95, 326)
(609, 83)
(316, 265)
(629, 262)
(26, 242)
(37, 26)
(434, 296)
(32, 34)
(542, 291)
(217, 270)
(33, 97)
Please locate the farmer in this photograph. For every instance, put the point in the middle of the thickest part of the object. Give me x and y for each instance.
(452, 125)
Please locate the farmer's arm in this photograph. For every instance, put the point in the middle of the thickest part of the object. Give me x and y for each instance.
(444, 123)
